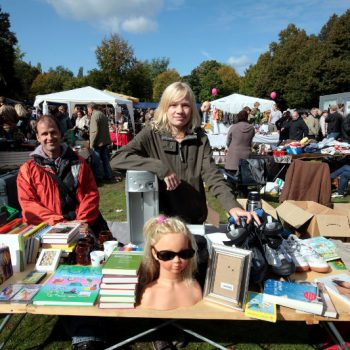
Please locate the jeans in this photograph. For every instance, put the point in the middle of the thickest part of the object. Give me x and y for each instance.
(344, 177)
(333, 134)
(102, 155)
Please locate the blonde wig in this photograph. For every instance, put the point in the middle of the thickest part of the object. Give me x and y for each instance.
(173, 93)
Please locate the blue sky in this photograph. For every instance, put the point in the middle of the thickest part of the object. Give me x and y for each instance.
(67, 32)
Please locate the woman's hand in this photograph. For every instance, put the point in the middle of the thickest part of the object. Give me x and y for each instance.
(236, 212)
(171, 181)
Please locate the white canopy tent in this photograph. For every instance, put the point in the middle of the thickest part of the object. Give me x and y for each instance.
(235, 103)
(83, 95)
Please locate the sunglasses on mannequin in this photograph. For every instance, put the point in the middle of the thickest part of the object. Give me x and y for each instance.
(166, 255)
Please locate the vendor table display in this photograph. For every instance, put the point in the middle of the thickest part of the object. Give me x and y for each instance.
(119, 139)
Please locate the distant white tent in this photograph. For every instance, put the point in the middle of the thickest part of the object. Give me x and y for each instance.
(235, 103)
(83, 95)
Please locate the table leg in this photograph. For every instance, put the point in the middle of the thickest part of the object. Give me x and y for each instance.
(335, 335)
(126, 341)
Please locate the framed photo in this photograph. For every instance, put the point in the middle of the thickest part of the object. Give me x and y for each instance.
(48, 260)
(228, 276)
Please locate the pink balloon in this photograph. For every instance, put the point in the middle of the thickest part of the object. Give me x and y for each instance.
(273, 95)
(214, 91)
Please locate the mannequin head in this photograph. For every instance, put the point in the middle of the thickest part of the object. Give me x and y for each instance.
(163, 237)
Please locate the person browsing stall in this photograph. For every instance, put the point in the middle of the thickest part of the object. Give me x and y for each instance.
(57, 186)
(177, 150)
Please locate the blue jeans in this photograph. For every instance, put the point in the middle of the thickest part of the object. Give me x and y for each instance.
(344, 177)
(333, 134)
(103, 154)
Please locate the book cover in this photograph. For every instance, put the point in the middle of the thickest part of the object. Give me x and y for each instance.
(323, 247)
(337, 264)
(62, 230)
(119, 279)
(119, 286)
(71, 285)
(329, 309)
(8, 292)
(6, 270)
(117, 299)
(300, 296)
(116, 305)
(338, 285)
(69, 247)
(257, 307)
(122, 263)
(26, 294)
(34, 277)
(60, 240)
(117, 292)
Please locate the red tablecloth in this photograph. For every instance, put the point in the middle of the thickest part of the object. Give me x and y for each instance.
(119, 138)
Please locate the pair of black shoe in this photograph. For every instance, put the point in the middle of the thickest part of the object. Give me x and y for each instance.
(89, 345)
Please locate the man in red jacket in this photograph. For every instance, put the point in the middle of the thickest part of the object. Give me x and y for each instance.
(57, 186)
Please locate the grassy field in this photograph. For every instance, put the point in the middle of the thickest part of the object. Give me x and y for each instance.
(46, 332)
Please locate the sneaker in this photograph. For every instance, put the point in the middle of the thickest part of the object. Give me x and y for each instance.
(162, 345)
(337, 195)
(290, 246)
(280, 261)
(315, 261)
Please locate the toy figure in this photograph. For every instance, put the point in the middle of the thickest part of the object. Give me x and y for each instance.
(166, 272)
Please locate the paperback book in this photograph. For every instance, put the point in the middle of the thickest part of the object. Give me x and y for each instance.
(34, 277)
(119, 286)
(257, 307)
(103, 305)
(299, 296)
(119, 279)
(71, 285)
(26, 294)
(323, 247)
(10, 291)
(117, 292)
(122, 263)
(337, 285)
(117, 299)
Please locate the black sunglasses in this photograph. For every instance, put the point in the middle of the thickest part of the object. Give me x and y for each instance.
(166, 255)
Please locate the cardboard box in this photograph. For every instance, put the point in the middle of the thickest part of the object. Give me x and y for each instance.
(313, 219)
(266, 206)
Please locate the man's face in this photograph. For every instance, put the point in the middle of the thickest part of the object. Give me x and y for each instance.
(295, 115)
(89, 109)
(49, 137)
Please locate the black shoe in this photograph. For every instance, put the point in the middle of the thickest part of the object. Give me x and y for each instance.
(89, 345)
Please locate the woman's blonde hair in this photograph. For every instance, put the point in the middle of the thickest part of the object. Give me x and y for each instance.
(154, 229)
(174, 93)
(20, 110)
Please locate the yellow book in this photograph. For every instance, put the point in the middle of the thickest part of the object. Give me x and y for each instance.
(257, 307)
(67, 247)
(35, 229)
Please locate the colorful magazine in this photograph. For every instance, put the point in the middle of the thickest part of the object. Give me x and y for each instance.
(8, 292)
(71, 285)
(26, 294)
(257, 307)
(323, 246)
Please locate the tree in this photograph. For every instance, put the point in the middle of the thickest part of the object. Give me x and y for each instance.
(139, 83)
(162, 81)
(8, 40)
(80, 72)
(115, 58)
(229, 80)
(157, 66)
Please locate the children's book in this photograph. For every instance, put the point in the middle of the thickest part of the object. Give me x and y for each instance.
(34, 277)
(257, 307)
(63, 230)
(71, 285)
(26, 294)
(119, 286)
(122, 263)
(299, 296)
(117, 292)
(119, 279)
(117, 299)
(8, 292)
(329, 309)
(323, 247)
(337, 285)
(103, 305)
(337, 264)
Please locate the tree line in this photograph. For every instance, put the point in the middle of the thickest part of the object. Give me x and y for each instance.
(299, 67)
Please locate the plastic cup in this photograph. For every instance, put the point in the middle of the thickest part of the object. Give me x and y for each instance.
(108, 247)
(97, 257)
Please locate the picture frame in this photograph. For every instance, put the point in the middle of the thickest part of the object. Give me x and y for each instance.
(48, 260)
(227, 277)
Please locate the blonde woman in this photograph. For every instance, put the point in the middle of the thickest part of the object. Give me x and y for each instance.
(177, 150)
(166, 272)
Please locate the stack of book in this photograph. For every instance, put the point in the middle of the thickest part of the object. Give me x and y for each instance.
(117, 290)
(62, 234)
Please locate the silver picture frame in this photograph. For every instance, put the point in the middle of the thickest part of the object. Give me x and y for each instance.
(227, 277)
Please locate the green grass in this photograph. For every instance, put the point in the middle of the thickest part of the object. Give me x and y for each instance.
(45, 332)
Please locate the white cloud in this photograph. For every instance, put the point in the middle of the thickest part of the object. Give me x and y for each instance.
(206, 54)
(239, 62)
(135, 16)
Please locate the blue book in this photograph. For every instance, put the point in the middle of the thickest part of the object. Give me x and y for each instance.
(299, 296)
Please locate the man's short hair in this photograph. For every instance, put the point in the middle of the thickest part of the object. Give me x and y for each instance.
(2, 99)
(47, 117)
(333, 107)
(92, 105)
